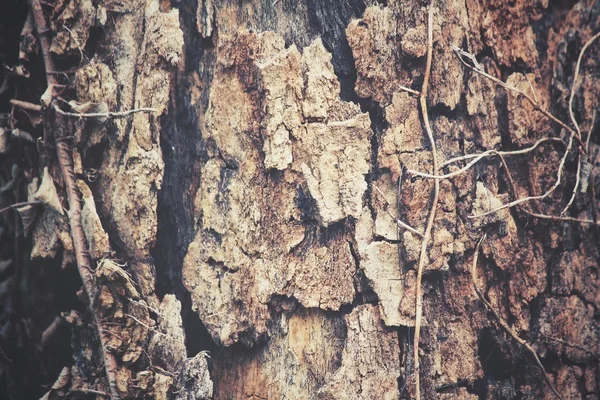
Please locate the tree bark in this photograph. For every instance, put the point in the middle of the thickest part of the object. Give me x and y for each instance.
(243, 236)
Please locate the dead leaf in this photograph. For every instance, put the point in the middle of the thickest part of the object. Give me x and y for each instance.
(63, 378)
(46, 193)
(28, 214)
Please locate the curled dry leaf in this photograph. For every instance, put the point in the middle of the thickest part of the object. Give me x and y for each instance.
(28, 214)
(46, 193)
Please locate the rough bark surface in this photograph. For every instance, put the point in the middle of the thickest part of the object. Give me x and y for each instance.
(243, 234)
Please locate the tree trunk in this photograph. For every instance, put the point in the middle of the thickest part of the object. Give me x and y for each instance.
(258, 234)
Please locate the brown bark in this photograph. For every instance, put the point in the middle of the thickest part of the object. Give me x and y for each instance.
(249, 222)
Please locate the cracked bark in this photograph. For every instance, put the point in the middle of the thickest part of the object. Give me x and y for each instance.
(247, 215)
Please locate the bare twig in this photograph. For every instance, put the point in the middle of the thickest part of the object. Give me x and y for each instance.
(574, 87)
(587, 140)
(575, 188)
(409, 90)
(17, 205)
(113, 114)
(394, 218)
(574, 346)
(491, 153)
(575, 77)
(538, 215)
(461, 53)
(65, 162)
(503, 324)
(540, 197)
(43, 33)
(24, 105)
(91, 391)
(436, 193)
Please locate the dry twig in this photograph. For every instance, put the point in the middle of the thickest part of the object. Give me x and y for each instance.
(65, 161)
(490, 153)
(575, 77)
(43, 34)
(513, 188)
(436, 193)
(530, 198)
(113, 114)
(476, 67)
(17, 205)
(502, 323)
(395, 219)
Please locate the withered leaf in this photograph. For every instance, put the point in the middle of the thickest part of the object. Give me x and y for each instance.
(63, 378)
(46, 193)
(28, 214)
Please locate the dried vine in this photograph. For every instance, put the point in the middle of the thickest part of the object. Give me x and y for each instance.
(432, 211)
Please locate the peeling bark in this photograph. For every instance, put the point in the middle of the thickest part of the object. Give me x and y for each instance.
(242, 239)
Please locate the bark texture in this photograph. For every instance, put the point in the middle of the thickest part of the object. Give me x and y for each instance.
(243, 234)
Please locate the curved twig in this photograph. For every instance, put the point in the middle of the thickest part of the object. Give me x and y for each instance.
(436, 194)
(503, 324)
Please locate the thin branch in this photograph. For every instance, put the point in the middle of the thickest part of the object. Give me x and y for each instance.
(91, 391)
(65, 162)
(587, 140)
(540, 197)
(436, 193)
(574, 84)
(17, 205)
(564, 342)
(575, 188)
(393, 217)
(82, 258)
(409, 90)
(491, 153)
(24, 105)
(43, 34)
(538, 215)
(461, 53)
(501, 321)
(112, 114)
